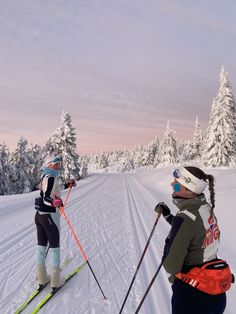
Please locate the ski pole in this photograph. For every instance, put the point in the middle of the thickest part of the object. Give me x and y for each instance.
(81, 248)
(149, 286)
(67, 196)
(140, 261)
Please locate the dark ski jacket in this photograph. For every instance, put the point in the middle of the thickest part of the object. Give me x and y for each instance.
(193, 238)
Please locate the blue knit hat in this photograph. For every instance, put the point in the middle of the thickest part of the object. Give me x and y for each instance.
(52, 160)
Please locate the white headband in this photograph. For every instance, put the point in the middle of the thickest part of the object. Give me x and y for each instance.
(190, 181)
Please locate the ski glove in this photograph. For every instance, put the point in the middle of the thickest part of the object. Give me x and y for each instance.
(162, 208)
(57, 202)
(73, 182)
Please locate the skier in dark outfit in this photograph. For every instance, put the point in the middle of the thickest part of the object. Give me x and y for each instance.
(192, 241)
(47, 220)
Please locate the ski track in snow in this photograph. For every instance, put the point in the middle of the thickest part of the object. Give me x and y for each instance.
(112, 215)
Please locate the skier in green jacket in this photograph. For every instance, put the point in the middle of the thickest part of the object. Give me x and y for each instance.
(192, 242)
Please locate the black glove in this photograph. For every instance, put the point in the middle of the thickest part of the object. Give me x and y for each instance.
(162, 208)
(72, 182)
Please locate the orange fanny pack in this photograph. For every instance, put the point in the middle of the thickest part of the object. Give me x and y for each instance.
(213, 277)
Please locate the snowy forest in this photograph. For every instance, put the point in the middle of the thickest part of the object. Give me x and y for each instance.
(20, 170)
(213, 147)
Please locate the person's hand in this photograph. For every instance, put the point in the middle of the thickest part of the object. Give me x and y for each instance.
(162, 208)
(57, 202)
(73, 182)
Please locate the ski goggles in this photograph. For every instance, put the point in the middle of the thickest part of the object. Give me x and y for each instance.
(186, 178)
(56, 160)
(177, 175)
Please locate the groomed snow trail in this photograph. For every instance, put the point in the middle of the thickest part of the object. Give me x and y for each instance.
(112, 215)
(112, 222)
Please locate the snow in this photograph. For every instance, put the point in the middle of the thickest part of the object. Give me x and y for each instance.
(112, 215)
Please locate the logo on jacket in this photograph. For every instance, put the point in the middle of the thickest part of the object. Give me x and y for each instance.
(212, 233)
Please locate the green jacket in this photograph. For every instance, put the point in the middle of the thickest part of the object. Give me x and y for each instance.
(194, 236)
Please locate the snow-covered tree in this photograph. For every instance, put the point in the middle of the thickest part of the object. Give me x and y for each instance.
(4, 170)
(114, 160)
(186, 155)
(150, 153)
(168, 149)
(196, 145)
(63, 143)
(19, 171)
(102, 160)
(84, 161)
(180, 148)
(220, 139)
(126, 163)
(138, 153)
(48, 148)
(91, 163)
(36, 162)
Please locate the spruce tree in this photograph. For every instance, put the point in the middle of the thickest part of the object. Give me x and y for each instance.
(19, 172)
(185, 155)
(196, 147)
(4, 170)
(168, 149)
(220, 139)
(138, 155)
(63, 143)
(126, 163)
(150, 153)
(36, 162)
(102, 160)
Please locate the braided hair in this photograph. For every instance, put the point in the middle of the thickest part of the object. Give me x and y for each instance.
(206, 177)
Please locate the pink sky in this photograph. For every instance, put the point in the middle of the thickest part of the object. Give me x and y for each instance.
(122, 69)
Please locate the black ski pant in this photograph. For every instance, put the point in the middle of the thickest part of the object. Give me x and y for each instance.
(188, 300)
(47, 230)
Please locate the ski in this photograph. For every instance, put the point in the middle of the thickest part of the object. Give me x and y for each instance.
(37, 291)
(30, 298)
(54, 291)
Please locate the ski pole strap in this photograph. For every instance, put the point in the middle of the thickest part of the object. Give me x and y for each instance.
(213, 278)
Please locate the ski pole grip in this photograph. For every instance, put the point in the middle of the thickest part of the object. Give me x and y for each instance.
(158, 209)
(162, 208)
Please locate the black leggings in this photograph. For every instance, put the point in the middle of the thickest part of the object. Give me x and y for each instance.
(47, 231)
(188, 300)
